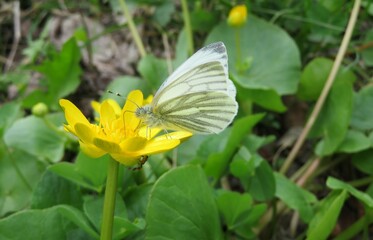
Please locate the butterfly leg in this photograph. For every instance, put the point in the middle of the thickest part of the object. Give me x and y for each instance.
(143, 159)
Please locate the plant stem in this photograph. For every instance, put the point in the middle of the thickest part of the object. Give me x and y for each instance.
(109, 202)
(329, 83)
(131, 25)
(238, 49)
(188, 27)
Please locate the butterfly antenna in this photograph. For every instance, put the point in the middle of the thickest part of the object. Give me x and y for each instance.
(120, 95)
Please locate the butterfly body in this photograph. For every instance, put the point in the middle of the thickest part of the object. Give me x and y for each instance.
(198, 97)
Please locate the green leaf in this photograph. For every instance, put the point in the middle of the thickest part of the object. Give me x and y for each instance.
(363, 161)
(123, 86)
(54, 190)
(86, 171)
(244, 230)
(167, 215)
(313, 78)
(295, 197)
(367, 53)
(276, 61)
(354, 141)
(218, 163)
(163, 12)
(333, 120)
(326, 217)
(336, 184)
(45, 224)
(203, 20)
(153, 70)
(243, 165)
(266, 98)
(93, 206)
(9, 112)
(32, 135)
(77, 217)
(136, 199)
(362, 113)
(181, 49)
(324, 12)
(61, 73)
(15, 194)
(234, 207)
(238, 212)
(262, 185)
(315, 75)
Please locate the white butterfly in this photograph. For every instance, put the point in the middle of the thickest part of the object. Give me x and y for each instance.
(197, 97)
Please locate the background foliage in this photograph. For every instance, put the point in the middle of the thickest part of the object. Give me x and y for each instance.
(226, 186)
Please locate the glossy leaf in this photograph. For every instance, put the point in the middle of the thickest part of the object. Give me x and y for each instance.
(32, 135)
(354, 141)
(363, 161)
(334, 183)
(9, 112)
(218, 163)
(295, 197)
(86, 172)
(54, 190)
(362, 113)
(15, 190)
(50, 223)
(326, 217)
(61, 72)
(234, 207)
(168, 218)
(315, 75)
(273, 68)
(153, 70)
(334, 118)
(367, 53)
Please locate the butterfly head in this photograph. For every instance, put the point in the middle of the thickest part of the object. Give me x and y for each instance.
(143, 112)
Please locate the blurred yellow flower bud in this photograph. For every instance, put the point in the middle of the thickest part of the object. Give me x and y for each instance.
(237, 16)
(39, 109)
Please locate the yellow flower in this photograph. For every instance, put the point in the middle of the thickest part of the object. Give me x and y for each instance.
(119, 132)
(237, 16)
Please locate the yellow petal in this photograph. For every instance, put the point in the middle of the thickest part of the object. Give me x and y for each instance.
(106, 145)
(125, 160)
(180, 135)
(72, 114)
(115, 106)
(96, 106)
(237, 16)
(84, 133)
(133, 144)
(91, 150)
(107, 114)
(148, 100)
(149, 133)
(134, 100)
(159, 146)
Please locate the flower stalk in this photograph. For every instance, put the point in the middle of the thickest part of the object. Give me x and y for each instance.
(131, 25)
(109, 201)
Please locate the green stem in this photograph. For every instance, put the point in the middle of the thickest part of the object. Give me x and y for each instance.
(109, 202)
(131, 25)
(361, 182)
(188, 26)
(325, 91)
(238, 49)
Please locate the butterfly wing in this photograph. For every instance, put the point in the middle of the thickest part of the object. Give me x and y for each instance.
(199, 112)
(205, 71)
